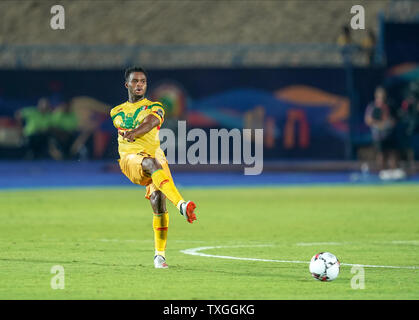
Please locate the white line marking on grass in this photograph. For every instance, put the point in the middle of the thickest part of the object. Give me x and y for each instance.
(399, 242)
(197, 252)
(411, 242)
(307, 244)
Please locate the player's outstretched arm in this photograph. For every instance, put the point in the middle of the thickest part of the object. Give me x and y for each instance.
(147, 125)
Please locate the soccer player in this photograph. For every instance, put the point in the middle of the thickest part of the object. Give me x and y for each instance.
(143, 161)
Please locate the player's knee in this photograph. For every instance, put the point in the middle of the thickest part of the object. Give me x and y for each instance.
(156, 197)
(150, 165)
(157, 201)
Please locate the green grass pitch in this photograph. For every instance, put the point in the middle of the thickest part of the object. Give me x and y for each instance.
(103, 239)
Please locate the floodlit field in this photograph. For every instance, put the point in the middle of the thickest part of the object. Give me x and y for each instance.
(103, 239)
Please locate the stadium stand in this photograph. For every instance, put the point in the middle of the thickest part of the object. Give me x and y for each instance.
(180, 33)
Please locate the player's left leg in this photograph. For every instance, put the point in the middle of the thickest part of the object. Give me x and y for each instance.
(164, 182)
(160, 226)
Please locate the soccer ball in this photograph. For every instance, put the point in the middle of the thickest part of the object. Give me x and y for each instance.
(324, 266)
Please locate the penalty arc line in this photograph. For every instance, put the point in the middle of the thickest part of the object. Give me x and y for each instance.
(197, 252)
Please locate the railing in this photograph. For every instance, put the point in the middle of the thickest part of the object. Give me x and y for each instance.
(172, 56)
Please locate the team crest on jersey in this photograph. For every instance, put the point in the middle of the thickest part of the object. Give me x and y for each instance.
(129, 120)
(126, 121)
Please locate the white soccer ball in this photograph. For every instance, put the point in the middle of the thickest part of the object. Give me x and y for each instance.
(324, 266)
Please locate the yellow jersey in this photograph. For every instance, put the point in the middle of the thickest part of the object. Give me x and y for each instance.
(128, 116)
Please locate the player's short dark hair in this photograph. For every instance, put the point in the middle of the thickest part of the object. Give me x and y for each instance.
(132, 69)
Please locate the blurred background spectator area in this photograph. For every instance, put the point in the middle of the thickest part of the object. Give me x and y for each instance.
(163, 34)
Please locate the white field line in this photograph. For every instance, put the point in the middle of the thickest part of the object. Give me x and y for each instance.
(412, 242)
(197, 252)
(396, 242)
(308, 244)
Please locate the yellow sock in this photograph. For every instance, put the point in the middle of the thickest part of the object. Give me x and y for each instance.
(165, 184)
(160, 226)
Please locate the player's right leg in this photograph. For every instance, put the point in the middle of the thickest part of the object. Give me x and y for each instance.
(164, 182)
(160, 227)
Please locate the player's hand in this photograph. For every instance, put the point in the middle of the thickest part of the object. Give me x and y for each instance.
(128, 135)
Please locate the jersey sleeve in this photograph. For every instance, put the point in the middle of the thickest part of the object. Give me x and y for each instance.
(157, 111)
(113, 113)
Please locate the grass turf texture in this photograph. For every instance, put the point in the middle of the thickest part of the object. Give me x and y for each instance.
(104, 240)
